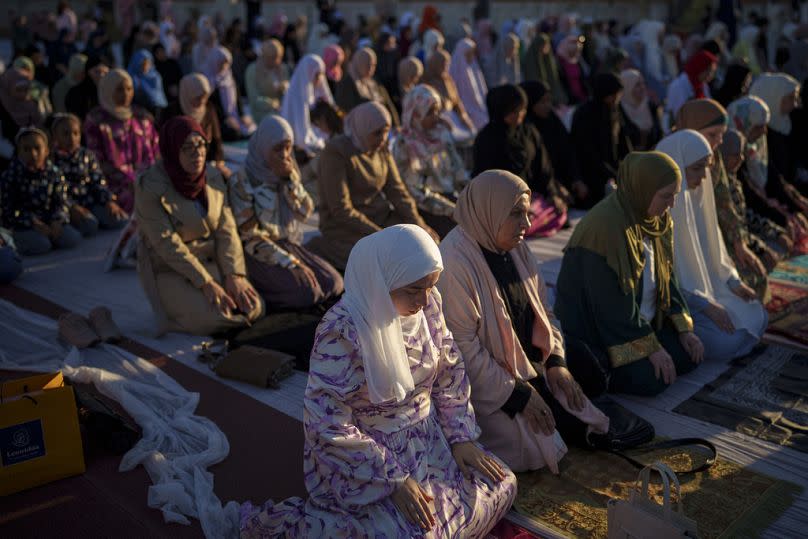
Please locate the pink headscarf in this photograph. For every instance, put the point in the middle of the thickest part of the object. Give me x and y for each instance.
(364, 120)
(333, 56)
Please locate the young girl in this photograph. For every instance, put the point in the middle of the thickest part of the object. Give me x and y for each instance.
(34, 198)
(92, 203)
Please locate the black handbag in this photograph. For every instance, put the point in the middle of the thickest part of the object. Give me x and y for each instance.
(631, 437)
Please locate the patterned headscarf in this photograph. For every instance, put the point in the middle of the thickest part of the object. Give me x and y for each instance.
(420, 143)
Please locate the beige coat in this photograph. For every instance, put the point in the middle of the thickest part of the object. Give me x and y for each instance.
(359, 194)
(478, 319)
(180, 250)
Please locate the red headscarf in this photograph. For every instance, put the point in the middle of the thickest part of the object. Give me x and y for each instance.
(698, 64)
(429, 20)
(172, 137)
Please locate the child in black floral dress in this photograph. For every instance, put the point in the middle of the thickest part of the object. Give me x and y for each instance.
(91, 202)
(34, 198)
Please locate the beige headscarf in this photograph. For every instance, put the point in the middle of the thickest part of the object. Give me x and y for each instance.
(106, 93)
(266, 76)
(436, 74)
(192, 86)
(410, 71)
(483, 206)
(361, 70)
(364, 120)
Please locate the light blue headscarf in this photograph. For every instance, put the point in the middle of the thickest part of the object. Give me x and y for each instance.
(149, 85)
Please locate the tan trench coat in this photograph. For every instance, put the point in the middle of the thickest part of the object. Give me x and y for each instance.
(180, 250)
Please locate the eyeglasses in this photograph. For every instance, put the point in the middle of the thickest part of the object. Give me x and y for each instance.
(194, 148)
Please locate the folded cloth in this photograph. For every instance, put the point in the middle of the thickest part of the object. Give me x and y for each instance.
(258, 366)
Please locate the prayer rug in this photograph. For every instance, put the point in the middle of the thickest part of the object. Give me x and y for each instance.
(793, 271)
(726, 500)
(764, 395)
(506, 529)
(785, 298)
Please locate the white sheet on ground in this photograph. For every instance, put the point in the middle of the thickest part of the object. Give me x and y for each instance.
(177, 446)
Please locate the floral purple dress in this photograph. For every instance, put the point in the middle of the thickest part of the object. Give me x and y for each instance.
(357, 453)
(124, 148)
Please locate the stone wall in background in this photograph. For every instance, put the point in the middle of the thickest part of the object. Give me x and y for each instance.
(452, 10)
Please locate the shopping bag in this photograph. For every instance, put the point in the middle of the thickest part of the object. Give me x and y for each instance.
(40, 440)
(640, 517)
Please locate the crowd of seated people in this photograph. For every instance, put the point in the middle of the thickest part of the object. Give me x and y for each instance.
(429, 160)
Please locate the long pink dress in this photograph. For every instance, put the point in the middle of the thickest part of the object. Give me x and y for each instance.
(124, 148)
(357, 453)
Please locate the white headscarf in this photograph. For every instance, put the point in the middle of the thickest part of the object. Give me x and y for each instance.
(772, 88)
(107, 87)
(301, 96)
(378, 264)
(638, 112)
(648, 32)
(701, 262)
(433, 40)
(471, 87)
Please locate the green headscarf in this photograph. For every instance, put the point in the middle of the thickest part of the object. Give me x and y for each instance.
(542, 67)
(616, 226)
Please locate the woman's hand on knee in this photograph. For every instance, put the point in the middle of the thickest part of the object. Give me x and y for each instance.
(693, 346)
(663, 366)
(241, 293)
(413, 502)
(217, 297)
(468, 455)
(718, 314)
(538, 414)
(560, 380)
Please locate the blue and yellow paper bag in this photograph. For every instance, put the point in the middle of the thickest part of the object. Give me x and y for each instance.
(39, 432)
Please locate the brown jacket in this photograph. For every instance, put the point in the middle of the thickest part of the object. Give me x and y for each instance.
(359, 194)
(180, 250)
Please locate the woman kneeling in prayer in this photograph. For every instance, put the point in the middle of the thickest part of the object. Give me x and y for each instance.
(514, 352)
(390, 435)
(727, 316)
(190, 260)
(616, 291)
(360, 189)
(269, 203)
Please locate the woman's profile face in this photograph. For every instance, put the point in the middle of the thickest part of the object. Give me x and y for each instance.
(696, 172)
(431, 118)
(755, 132)
(199, 101)
(513, 229)
(789, 102)
(279, 159)
(124, 93)
(543, 106)
(376, 140)
(639, 91)
(410, 299)
(714, 135)
(663, 200)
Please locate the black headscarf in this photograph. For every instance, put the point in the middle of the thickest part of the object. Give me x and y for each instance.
(605, 84)
(732, 88)
(501, 146)
(83, 97)
(502, 100)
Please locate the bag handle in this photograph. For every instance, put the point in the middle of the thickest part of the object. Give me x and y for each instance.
(670, 444)
(668, 477)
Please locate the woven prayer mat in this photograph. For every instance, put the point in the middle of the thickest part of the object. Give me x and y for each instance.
(726, 500)
(793, 272)
(764, 395)
(784, 298)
